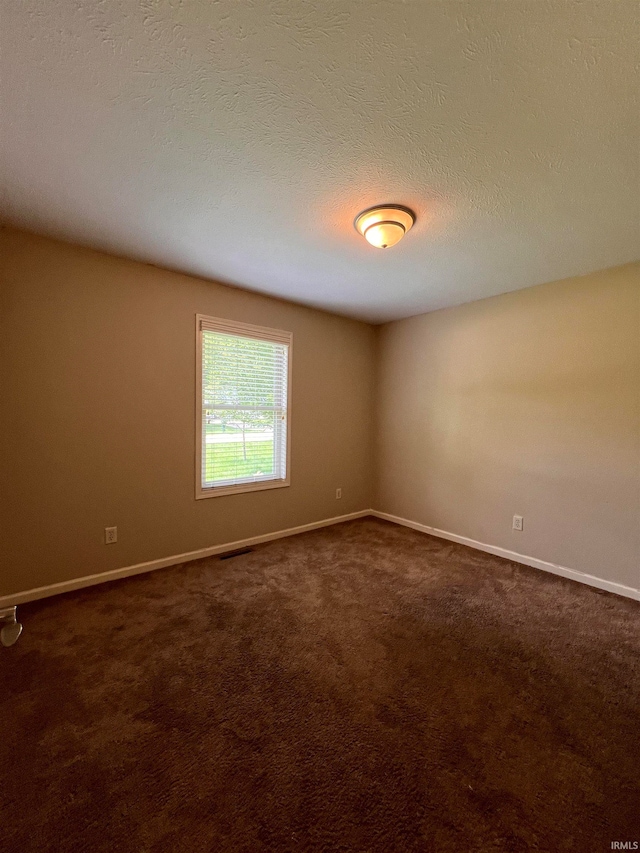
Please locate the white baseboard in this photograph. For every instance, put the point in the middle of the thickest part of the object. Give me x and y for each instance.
(563, 571)
(140, 568)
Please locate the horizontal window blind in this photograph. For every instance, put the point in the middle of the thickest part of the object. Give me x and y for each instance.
(244, 404)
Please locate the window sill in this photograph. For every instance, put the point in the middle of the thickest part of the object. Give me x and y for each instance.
(239, 488)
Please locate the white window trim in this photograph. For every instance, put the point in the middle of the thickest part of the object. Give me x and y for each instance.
(245, 330)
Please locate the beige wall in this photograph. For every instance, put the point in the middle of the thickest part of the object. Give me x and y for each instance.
(97, 383)
(526, 403)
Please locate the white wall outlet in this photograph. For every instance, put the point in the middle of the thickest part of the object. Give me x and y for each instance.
(110, 535)
(518, 522)
(338, 494)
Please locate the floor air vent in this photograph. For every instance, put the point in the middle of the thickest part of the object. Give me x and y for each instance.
(237, 553)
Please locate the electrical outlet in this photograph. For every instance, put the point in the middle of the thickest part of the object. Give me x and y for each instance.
(518, 522)
(338, 494)
(110, 535)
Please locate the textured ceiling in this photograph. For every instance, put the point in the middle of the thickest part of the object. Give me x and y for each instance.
(238, 140)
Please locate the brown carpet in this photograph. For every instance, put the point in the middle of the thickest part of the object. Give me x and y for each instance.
(359, 688)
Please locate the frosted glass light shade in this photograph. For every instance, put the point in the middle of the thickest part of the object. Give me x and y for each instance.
(384, 226)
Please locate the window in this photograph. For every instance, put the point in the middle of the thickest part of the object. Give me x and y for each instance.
(242, 415)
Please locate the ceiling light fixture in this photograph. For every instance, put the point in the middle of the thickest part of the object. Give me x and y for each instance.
(386, 225)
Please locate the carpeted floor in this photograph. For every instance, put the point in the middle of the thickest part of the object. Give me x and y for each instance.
(359, 688)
